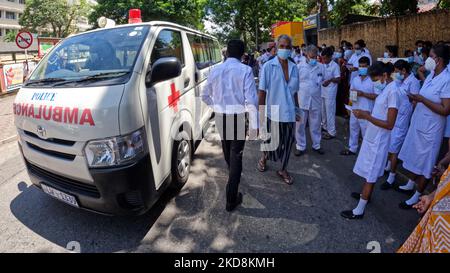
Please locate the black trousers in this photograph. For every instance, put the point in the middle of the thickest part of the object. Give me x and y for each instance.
(232, 130)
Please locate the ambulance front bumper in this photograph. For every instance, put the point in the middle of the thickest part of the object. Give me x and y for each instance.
(127, 190)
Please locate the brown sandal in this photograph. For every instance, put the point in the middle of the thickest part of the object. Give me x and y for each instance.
(262, 167)
(286, 178)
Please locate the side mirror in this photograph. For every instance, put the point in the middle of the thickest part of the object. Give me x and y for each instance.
(162, 70)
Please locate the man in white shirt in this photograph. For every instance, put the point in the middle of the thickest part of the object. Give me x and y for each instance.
(353, 63)
(362, 97)
(332, 77)
(231, 92)
(310, 101)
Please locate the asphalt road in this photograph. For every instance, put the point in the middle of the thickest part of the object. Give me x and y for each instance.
(274, 217)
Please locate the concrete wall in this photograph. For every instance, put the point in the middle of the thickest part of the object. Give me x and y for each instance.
(402, 31)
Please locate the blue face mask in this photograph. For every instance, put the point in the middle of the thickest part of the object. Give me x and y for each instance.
(313, 62)
(338, 55)
(358, 52)
(284, 54)
(398, 77)
(379, 85)
(363, 71)
(411, 59)
(348, 53)
(419, 50)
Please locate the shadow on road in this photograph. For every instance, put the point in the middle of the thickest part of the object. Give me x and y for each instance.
(273, 218)
(60, 224)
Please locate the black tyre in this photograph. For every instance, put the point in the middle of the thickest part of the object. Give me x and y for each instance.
(181, 160)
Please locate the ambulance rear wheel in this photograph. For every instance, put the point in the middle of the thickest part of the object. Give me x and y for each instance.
(181, 160)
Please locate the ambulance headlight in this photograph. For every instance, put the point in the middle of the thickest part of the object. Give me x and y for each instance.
(115, 151)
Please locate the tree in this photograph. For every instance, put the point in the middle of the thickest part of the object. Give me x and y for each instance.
(10, 36)
(398, 7)
(185, 12)
(443, 4)
(57, 17)
(248, 20)
(342, 8)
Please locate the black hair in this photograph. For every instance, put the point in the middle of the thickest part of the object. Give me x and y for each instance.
(235, 49)
(393, 49)
(361, 43)
(327, 52)
(402, 64)
(442, 51)
(303, 45)
(408, 52)
(379, 68)
(348, 45)
(419, 42)
(364, 60)
(428, 44)
(426, 50)
(332, 48)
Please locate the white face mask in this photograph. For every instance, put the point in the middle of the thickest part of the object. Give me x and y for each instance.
(430, 64)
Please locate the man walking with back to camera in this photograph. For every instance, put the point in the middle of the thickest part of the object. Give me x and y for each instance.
(231, 92)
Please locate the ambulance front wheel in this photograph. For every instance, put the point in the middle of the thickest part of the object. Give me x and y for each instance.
(181, 160)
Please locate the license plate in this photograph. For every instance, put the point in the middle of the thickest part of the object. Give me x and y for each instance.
(61, 196)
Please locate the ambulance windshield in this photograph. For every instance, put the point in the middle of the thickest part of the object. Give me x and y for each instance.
(97, 58)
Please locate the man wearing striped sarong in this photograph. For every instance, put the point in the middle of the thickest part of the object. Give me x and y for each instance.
(278, 88)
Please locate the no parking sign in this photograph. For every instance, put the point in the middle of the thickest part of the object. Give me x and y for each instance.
(24, 39)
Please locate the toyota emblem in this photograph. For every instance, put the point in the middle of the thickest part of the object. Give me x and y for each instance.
(41, 131)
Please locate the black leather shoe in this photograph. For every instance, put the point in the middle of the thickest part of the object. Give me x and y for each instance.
(231, 207)
(298, 152)
(357, 196)
(405, 206)
(319, 151)
(386, 186)
(348, 214)
(327, 136)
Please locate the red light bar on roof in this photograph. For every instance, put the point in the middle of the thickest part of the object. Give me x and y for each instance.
(134, 16)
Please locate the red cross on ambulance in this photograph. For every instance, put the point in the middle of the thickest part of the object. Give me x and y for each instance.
(174, 97)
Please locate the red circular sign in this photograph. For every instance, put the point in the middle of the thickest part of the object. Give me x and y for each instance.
(24, 39)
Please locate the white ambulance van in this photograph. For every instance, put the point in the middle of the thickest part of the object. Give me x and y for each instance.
(109, 118)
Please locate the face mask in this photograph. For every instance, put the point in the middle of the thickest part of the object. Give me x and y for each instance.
(358, 52)
(284, 53)
(419, 50)
(348, 53)
(398, 77)
(411, 59)
(338, 55)
(313, 62)
(386, 54)
(379, 85)
(363, 71)
(430, 64)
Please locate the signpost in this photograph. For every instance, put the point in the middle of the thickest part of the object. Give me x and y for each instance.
(24, 40)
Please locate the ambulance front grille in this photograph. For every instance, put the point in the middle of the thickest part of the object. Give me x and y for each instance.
(51, 140)
(52, 153)
(64, 183)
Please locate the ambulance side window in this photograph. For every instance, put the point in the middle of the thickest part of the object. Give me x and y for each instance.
(168, 44)
(200, 51)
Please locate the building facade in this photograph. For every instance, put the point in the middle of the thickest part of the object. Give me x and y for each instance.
(11, 10)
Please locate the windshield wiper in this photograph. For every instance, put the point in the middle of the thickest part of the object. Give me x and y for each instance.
(44, 81)
(100, 76)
